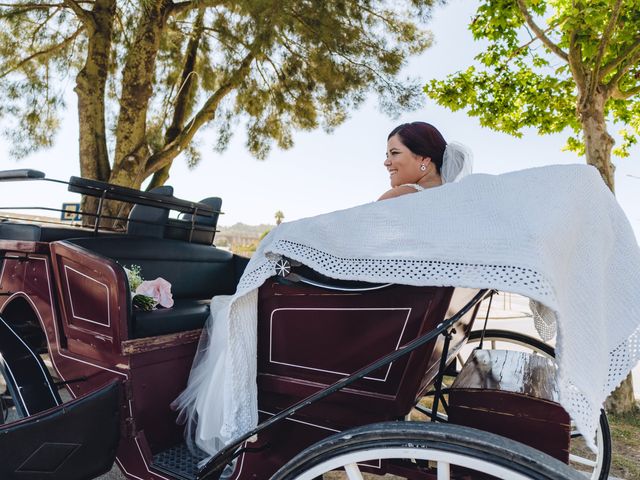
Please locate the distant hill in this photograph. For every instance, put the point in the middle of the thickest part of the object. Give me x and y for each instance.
(243, 230)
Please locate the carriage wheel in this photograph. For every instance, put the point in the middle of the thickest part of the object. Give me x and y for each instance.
(495, 338)
(595, 465)
(431, 450)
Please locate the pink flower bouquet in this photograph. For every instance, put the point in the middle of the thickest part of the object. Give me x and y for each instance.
(158, 289)
(147, 295)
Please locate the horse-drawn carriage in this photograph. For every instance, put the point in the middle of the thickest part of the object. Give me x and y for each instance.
(343, 366)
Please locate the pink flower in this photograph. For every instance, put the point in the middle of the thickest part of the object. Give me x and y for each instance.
(158, 289)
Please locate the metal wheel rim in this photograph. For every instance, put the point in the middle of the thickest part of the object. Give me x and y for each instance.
(444, 459)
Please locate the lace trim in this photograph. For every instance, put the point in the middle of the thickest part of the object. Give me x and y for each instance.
(421, 272)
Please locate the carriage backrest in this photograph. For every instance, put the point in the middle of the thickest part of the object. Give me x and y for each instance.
(147, 221)
(205, 225)
(310, 337)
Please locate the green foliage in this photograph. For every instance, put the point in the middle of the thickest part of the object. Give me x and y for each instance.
(520, 81)
(32, 101)
(311, 63)
(138, 301)
(143, 302)
(134, 276)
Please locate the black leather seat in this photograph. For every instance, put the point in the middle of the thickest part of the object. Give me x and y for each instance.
(196, 272)
(149, 221)
(203, 228)
(185, 315)
(44, 233)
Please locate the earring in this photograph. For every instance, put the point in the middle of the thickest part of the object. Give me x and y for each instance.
(422, 167)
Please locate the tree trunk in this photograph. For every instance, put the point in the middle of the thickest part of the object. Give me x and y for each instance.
(132, 150)
(598, 145)
(622, 400)
(90, 89)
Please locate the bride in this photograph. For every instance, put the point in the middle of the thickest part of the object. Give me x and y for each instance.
(417, 158)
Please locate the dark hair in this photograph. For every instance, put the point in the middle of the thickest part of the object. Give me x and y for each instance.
(422, 139)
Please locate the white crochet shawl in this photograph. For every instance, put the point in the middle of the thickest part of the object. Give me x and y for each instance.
(554, 234)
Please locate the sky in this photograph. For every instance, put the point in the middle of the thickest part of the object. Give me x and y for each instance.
(326, 172)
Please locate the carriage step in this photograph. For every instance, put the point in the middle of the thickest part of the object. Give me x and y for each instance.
(178, 462)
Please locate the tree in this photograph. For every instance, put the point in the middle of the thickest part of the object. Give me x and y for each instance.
(279, 217)
(150, 74)
(556, 65)
(566, 64)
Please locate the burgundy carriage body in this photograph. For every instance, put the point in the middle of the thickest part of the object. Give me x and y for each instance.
(309, 338)
(76, 290)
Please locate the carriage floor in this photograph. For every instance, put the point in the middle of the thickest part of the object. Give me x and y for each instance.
(178, 462)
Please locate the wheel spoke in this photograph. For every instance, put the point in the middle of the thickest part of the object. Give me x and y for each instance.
(353, 472)
(582, 461)
(444, 472)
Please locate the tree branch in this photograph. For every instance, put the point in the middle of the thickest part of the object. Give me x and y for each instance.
(540, 33)
(43, 24)
(47, 51)
(184, 97)
(180, 7)
(206, 113)
(624, 67)
(613, 64)
(575, 62)
(374, 71)
(84, 16)
(34, 6)
(517, 51)
(604, 43)
(26, 7)
(620, 95)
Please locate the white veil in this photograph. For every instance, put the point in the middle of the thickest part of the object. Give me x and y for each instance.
(457, 162)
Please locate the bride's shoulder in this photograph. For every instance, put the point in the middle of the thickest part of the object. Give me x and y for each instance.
(397, 191)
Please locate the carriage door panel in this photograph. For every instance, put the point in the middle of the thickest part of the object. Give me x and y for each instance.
(309, 338)
(93, 299)
(75, 441)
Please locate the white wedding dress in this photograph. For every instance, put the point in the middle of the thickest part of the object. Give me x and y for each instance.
(554, 234)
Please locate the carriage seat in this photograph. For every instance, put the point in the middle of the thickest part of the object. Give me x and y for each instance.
(205, 225)
(186, 314)
(10, 230)
(147, 221)
(196, 272)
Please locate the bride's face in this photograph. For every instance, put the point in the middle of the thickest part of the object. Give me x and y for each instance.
(402, 164)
